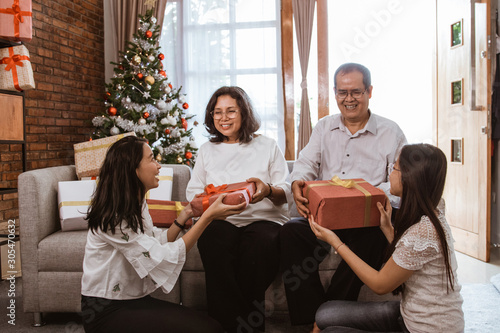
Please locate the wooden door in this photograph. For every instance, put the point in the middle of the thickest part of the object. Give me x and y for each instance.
(463, 99)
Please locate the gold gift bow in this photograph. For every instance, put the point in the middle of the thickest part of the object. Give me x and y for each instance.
(160, 178)
(178, 207)
(348, 183)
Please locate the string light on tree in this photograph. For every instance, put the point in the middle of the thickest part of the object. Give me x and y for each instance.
(140, 99)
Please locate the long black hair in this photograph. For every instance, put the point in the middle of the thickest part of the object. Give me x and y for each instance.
(423, 175)
(119, 193)
(250, 122)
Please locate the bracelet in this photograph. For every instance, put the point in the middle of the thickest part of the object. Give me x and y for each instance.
(182, 226)
(337, 249)
(270, 191)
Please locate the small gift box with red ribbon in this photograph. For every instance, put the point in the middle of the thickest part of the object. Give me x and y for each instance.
(15, 69)
(164, 212)
(343, 204)
(15, 20)
(236, 194)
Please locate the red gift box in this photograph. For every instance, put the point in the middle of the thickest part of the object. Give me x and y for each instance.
(164, 212)
(236, 194)
(344, 204)
(15, 20)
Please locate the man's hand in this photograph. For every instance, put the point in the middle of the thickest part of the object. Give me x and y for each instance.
(300, 201)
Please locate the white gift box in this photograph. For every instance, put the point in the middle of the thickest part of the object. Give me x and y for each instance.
(164, 190)
(74, 199)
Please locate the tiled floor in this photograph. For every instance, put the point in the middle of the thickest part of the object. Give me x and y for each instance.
(471, 270)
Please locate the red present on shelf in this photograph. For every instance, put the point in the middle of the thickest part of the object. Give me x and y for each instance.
(236, 194)
(90, 155)
(15, 20)
(164, 212)
(15, 69)
(344, 204)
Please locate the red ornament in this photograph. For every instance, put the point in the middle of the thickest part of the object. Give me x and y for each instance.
(167, 131)
(140, 76)
(185, 106)
(106, 96)
(121, 67)
(149, 34)
(189, 155)
(170, 85)
(162, 73)
(146, 115)
(112, 111)
(184, 124)
(161, 56)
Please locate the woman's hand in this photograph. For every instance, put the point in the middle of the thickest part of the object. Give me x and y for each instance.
(261, 189)
(324, 234)
(185, 214)
(219, 211)
(385, 219)
(300, 201)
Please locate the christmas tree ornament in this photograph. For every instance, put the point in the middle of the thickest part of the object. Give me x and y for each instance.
(140, 76)
(184, 123)
(114, 130)
(107, 95)
(142, 121)
(179, 159)
(188, 155)
(185, 106)
(146, 115)
(120, 67)
(149, 79)
(149, 34)
(161, 56)
(158, 157)
(167, 131)
(147, 87)
(151, 58)
(182, 99)
(167, 89)
(128, 100)
(162, 73)
(161, 104)
(136, 59)
(195, 123)
(112, 111)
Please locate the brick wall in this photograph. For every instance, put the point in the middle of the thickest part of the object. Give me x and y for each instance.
(67, 56)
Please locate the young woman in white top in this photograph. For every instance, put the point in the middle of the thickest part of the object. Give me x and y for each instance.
(127, 258)
(240, 253)
(421, 259)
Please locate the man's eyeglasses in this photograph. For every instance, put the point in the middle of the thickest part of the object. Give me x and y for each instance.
(391, 168)
(342, 94)
(231, 114)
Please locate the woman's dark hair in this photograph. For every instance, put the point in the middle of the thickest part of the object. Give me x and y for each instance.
(250, 122)
(351, 67)
(119, 192)
(423, 174)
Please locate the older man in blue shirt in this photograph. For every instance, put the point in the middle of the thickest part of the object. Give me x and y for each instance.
(353, 144)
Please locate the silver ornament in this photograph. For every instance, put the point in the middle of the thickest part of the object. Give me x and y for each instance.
(142, 121)
(114, 130)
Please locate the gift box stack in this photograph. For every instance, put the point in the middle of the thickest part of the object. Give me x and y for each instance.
(16, 73)
(344, 204)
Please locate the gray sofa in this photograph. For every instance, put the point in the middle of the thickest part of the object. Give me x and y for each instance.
(52, 260)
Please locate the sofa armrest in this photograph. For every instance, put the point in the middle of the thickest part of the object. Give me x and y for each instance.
(182, 174)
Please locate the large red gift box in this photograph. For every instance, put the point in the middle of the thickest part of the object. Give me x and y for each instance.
(15, 69)
(344, 204)
(164, 212)
(236, 194)
(15, 20)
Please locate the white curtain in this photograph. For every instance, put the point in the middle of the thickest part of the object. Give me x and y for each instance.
(303, 14)
(226, 42)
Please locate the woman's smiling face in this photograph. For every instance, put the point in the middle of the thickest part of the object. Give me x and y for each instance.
(229, 127)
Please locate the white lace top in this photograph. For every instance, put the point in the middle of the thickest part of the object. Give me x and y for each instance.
(426, 306)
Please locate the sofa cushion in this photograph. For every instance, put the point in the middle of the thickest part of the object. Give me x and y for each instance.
(62, 251)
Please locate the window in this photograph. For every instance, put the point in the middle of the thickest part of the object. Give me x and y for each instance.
(209, 44)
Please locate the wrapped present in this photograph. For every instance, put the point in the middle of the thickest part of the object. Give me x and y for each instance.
(344, 204)
(15, 20)
(74, 199)
(164, 189)
(164, 212)
(236, 194)
(90, 155)
(15, 69)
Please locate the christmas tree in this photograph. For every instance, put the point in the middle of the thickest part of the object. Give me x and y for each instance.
(140, 99)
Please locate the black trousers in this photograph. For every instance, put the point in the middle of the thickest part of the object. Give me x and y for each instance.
(301, 254)
(145, 314)
(240, 263)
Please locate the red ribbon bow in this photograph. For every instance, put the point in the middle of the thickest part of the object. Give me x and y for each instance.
(210, 190)
(12, 61)
(18, 15)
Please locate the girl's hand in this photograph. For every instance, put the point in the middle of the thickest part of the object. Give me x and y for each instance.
(186, 213)
(219, 211)
(385, 219)
(324, 234)
(261, 189)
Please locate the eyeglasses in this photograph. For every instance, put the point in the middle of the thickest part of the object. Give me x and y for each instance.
(391, 168)
(231, 114)
(342, 94)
